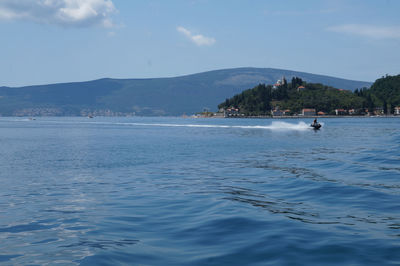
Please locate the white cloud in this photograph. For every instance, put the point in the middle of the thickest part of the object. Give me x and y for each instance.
(61, 12)
(375, 32)
(198, 39)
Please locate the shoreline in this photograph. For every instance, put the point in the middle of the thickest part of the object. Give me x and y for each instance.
(221, 117)
(319, 117)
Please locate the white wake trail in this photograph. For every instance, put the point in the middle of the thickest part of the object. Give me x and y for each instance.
(276, 125)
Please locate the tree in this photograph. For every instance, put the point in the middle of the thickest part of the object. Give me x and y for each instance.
(384, 92)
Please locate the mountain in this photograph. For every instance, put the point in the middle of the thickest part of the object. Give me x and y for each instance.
(154, 96)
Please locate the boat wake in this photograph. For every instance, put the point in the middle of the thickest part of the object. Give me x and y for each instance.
(276, 125)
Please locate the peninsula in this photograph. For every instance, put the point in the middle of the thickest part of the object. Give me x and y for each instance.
(300, 98)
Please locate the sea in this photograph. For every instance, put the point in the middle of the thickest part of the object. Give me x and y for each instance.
(185, 191)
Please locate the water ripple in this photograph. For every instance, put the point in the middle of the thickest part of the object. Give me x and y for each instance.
(169, 191)
(102, 243)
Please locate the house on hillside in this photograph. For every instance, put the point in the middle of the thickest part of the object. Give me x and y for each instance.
(308, 112)
(279, 83)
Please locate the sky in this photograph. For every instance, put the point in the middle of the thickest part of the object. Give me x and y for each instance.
(52, 41)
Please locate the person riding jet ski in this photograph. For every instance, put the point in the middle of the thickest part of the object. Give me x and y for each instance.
(315, 124)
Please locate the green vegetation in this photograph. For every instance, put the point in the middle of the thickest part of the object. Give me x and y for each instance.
(298, 94)
(384, 93)
(294, 96)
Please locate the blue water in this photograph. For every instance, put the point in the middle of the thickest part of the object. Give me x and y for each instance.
(173, 191)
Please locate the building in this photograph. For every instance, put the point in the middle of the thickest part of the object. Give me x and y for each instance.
(321, 113)
(308, 112)
(397, 110)
(279, 83)
(231, 112)
(276, 111)
(218, 115)
(341, 112)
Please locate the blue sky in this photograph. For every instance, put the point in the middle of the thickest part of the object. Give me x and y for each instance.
(50, 41)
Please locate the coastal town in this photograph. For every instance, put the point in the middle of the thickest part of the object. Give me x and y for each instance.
(307, 112)
(307, 100)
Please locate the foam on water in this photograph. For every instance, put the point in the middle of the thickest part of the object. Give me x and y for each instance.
(276, 125)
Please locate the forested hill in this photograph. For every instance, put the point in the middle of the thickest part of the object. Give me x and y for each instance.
(297, 94)
(160, 96)
(384, 93)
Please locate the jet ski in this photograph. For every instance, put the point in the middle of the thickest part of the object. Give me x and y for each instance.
(316, 126)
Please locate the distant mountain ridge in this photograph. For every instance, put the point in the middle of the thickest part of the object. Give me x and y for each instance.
(153, 96)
